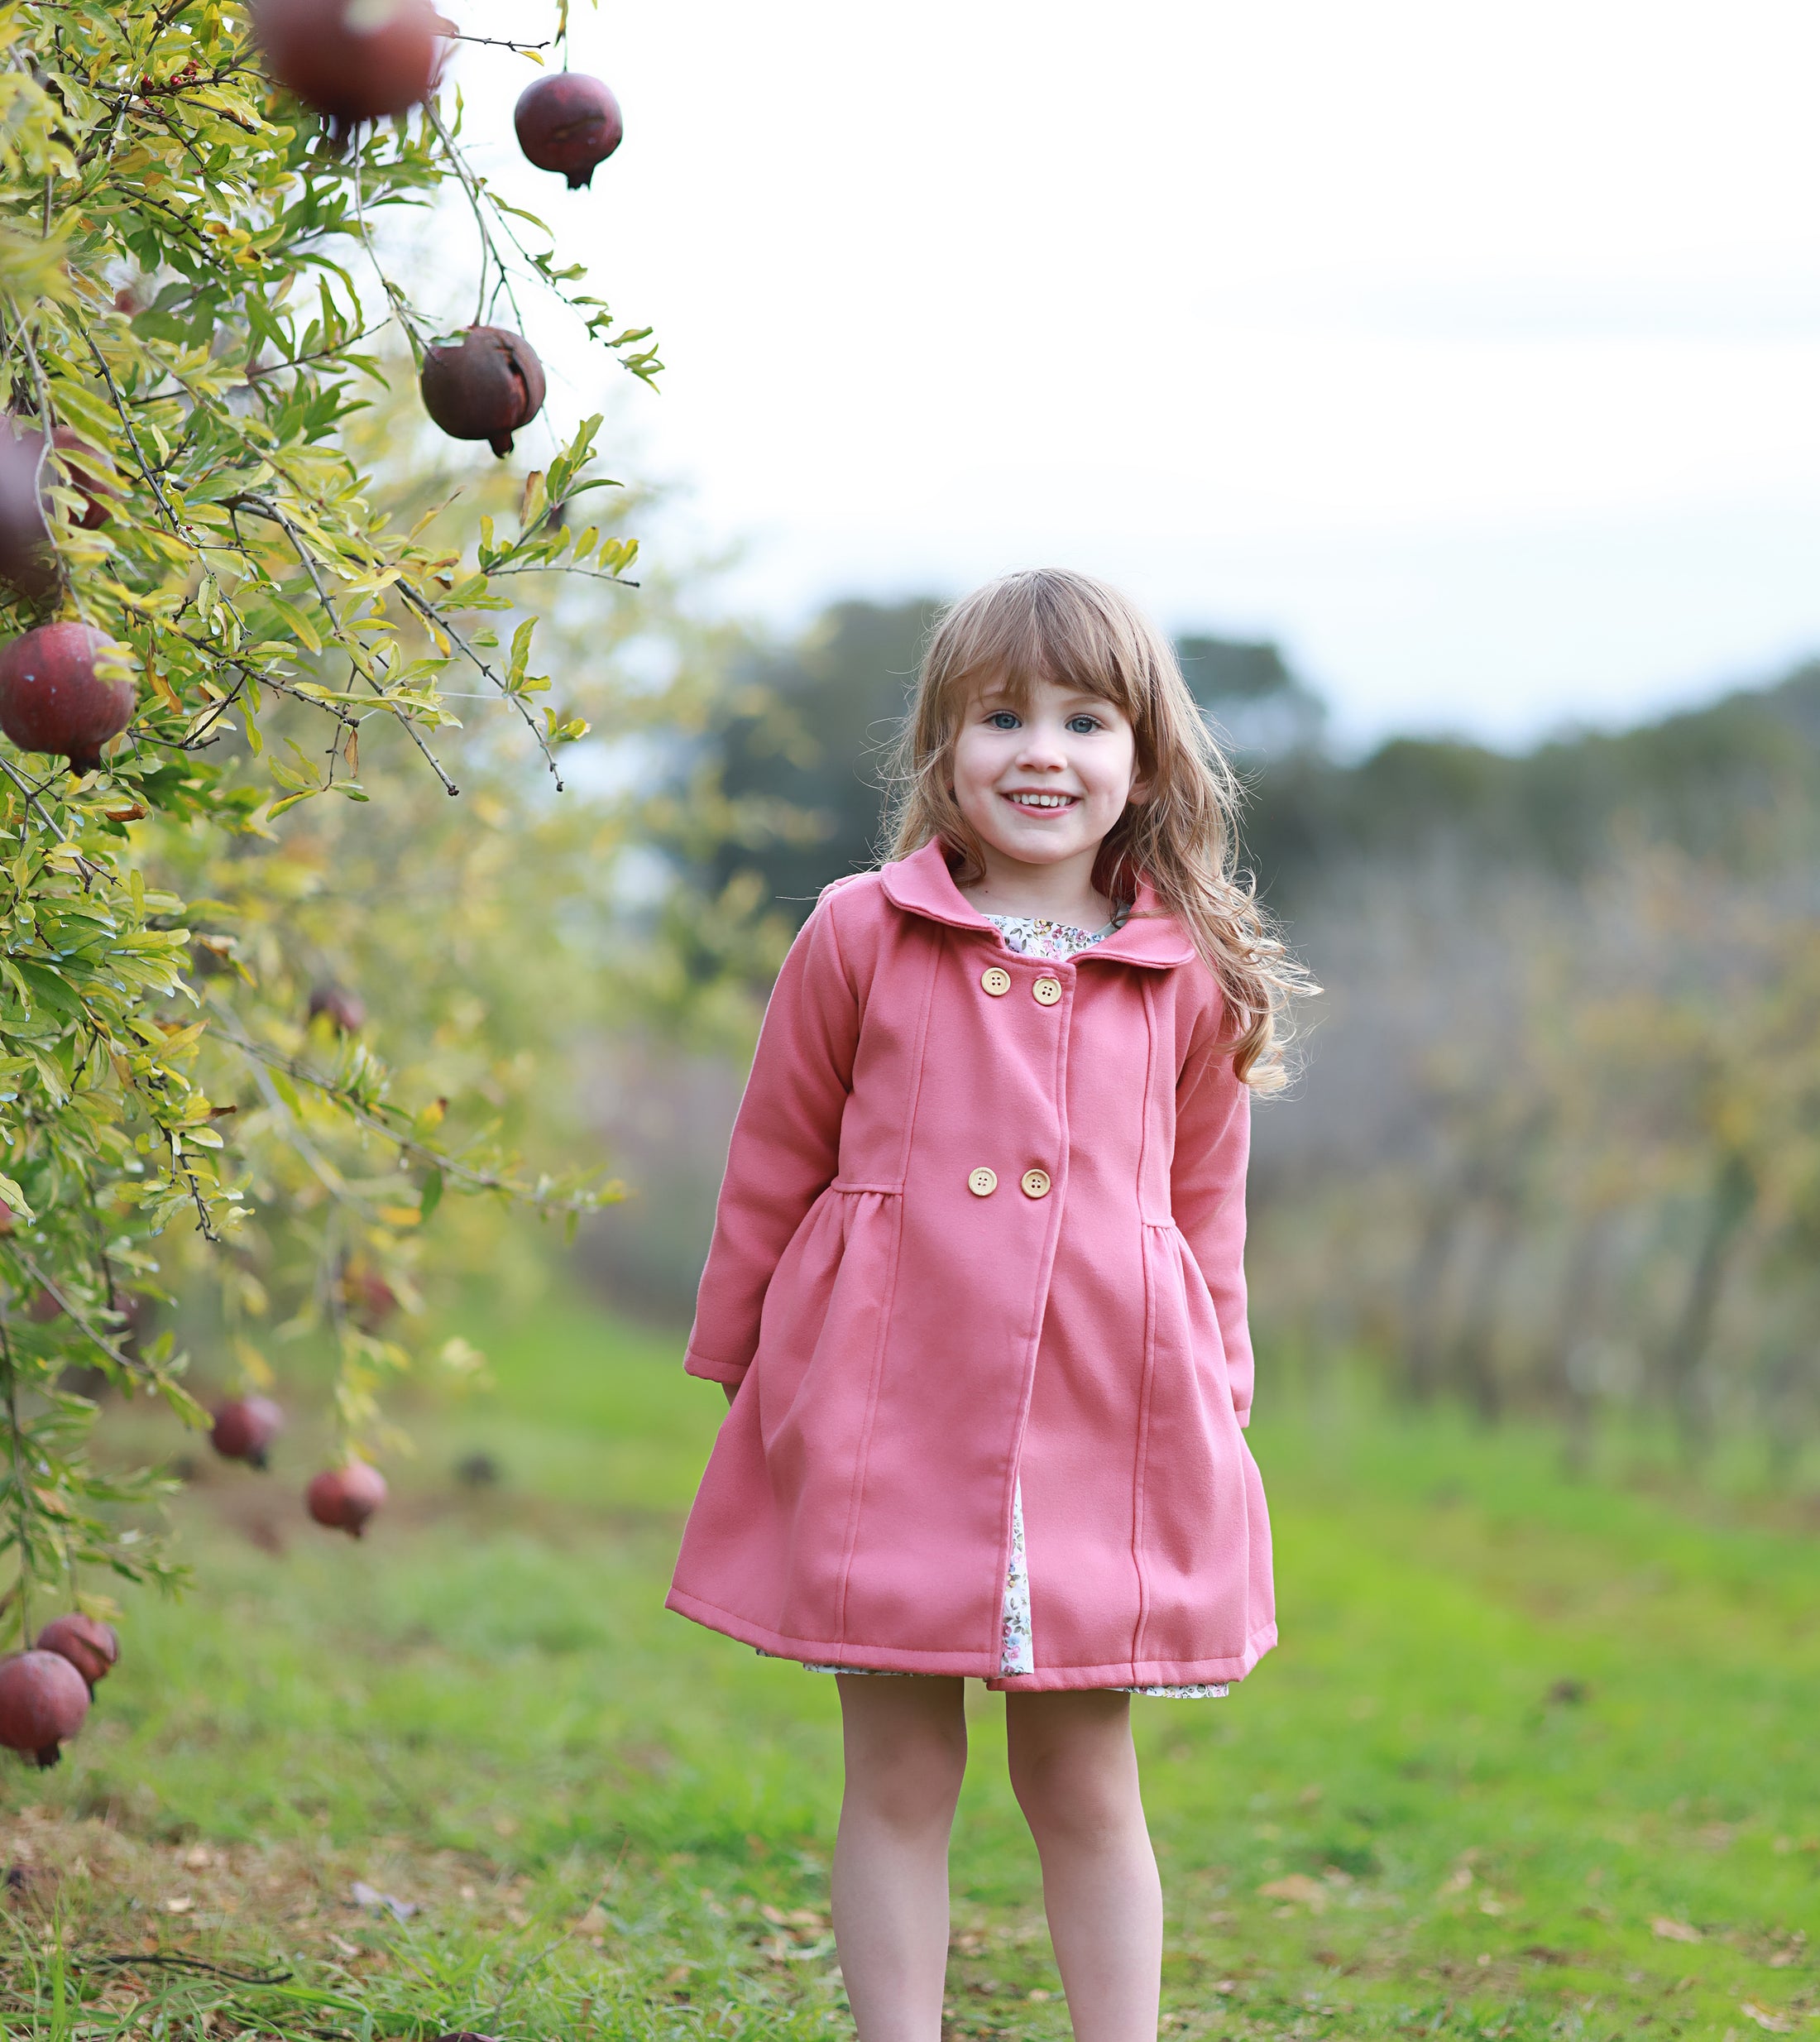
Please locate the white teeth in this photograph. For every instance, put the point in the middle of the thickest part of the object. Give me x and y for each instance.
(1042, 801)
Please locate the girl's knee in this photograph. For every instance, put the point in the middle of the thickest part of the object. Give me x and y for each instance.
(906, 1757)
(1082, 1785)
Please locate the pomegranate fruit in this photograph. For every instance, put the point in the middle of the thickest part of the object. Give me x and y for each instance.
(43, 1307)
(351, 61)
(485, 386)
(569, 122)
(90, 1646)
(343, 1498)
(54, 696)
(43, 1699)
(28, 565)
(244, 1428)
(369, 1297)
(343, 1007)
(84, 468)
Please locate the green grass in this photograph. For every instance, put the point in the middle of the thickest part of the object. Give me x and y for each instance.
(1536, 1759)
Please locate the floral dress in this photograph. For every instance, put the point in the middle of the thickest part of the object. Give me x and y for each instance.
(1036, 936)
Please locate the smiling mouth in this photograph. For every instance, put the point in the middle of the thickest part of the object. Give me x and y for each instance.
(1040, 804)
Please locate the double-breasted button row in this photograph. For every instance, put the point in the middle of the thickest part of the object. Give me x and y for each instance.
(997, 980)
(984, 1182)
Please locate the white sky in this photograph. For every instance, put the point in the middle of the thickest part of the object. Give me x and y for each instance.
(1473, 353)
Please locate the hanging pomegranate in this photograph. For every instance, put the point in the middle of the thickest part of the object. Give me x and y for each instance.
(367, 1294)
(244, 1428)
(90, 1646)
(351, 61)
(88, 473)
(344, 1009)
(54, 698)
(28, 565)
(43, 1700)
(343, 1498)
(569, 122)
(485, 386)
(27, 559)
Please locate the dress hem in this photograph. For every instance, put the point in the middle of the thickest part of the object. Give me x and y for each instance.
(973, 1666)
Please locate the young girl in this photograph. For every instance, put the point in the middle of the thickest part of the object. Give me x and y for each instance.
(975, 1290)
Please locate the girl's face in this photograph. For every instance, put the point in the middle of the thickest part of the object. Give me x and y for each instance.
(1045, 783)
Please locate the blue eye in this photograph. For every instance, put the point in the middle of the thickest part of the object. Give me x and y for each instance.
(1083, 724)
(1003, 720)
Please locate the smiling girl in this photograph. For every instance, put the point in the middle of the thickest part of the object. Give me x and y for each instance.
(976, 1290)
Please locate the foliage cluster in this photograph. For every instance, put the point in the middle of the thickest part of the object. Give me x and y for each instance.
(192, 281)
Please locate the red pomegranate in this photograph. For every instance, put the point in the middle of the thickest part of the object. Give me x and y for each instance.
(369, 1297)
(43, 1306)
(343, 1498)
(485, 386)
(244, 1428)
(43, 1699)
(57, 692)
(569, 122)
(28, 565)
(90, 1646)
(344, 1009)
(351, 59)
(86, 472)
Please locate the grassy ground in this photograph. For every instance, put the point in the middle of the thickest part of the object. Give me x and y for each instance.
(1536, 1759)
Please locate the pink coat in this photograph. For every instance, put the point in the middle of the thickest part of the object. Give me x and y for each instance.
(983, 1220)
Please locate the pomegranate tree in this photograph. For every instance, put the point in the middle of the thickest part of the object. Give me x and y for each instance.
(63, 689)
(208, 578)
(44, 1701)
(569, 122)
(485, 386)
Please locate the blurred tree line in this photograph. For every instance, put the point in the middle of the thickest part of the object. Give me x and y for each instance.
(1556, 1141)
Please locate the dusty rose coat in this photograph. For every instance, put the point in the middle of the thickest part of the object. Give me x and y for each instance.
(906, 1347)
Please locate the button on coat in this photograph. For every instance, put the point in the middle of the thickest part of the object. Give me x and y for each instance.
(908, 1351)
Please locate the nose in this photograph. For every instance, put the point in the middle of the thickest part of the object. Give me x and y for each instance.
(1040, 753)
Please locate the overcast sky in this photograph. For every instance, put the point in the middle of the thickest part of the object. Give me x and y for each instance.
(1473, 353)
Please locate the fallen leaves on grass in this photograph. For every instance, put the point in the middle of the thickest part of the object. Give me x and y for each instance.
(1767, 2017)
(1671, 1931)
(1299, 1888)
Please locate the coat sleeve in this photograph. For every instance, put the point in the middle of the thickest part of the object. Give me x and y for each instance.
(786, 1145)
(1207, 1192)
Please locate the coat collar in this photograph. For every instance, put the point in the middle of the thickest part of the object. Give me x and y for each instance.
(923, 885)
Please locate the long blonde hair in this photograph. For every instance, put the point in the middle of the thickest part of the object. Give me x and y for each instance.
(1181, 836)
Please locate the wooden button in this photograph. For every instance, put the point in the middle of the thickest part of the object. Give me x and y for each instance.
(1045, 992)
(997, 981)
(1036, 1183)
(983, 1183)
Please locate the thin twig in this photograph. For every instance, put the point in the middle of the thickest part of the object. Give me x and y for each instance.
(438, 622)
(90, 871)
(127, 1960)
(406, 1144)
(132, 437)
(263, 507)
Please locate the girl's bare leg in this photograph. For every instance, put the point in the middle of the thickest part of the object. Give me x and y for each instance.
(1075, 1777)
(906, 1740)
